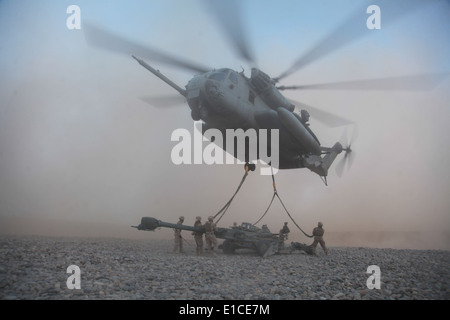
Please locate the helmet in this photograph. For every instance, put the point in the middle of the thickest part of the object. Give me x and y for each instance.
(181, 218)
(210, 218)
(304, 115)
(198, 218)
(320, 224)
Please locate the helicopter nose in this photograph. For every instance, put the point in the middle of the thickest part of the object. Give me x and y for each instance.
(216, 97)
(213, 90)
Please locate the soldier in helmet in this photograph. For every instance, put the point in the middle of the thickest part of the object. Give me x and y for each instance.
(283, 235)
(198, 236)
(304, 115)
(178, 238)
(284, 232)
(211, 240)
(318, 238)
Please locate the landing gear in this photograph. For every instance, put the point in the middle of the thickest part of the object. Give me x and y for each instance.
(249, 167)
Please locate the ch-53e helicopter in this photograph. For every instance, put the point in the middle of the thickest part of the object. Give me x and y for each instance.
(226, 99)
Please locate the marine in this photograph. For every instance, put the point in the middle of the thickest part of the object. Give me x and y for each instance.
(178, 238)
(318, 233)
(284, 232)
(198, 236)
(211, 240)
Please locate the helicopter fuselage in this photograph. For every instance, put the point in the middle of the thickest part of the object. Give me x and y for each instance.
(225, 99)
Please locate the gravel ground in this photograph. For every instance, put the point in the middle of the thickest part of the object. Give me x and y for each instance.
(35, 268)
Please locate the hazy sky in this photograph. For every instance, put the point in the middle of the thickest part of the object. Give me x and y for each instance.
(78, 145)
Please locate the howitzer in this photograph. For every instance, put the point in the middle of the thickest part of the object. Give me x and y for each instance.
(245, 236)
(150, 224)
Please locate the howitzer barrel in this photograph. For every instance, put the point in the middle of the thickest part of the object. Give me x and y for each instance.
(149, 223)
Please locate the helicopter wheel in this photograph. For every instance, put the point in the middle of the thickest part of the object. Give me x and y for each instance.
(262, 246)
(195, 115)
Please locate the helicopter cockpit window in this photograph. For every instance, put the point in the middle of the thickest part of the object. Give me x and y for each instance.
(219, 75)
(233, 78)
(251, 97)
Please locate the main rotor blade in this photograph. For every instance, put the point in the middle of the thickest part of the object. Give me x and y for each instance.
(228, 14)
(352, 29)
(99, 37)
(174, 100)
(421, 82)
(325, 117)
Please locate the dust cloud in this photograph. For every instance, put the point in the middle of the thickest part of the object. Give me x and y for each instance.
(81, 155)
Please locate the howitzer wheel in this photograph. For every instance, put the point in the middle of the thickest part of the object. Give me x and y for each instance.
(228, 247)
(263, 247)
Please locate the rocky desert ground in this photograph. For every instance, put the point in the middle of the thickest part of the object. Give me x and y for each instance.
(34, 268)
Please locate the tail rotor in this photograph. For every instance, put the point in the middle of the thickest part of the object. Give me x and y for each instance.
(349, 155)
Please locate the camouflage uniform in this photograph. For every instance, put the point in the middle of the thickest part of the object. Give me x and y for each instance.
(283, 236)
(211, 240)
(198, 236)
(178, 238)
(284, 232)
(318, 238)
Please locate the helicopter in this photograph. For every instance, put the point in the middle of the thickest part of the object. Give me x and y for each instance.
(225, 99)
